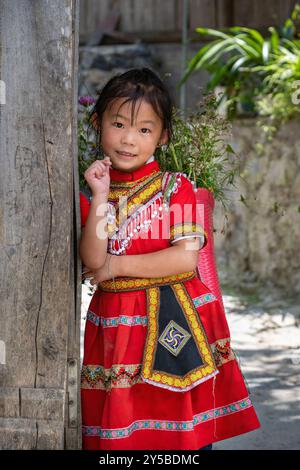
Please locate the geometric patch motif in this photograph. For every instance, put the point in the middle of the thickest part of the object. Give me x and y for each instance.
(174, 337)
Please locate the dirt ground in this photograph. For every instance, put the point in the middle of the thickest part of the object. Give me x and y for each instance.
(265, 336)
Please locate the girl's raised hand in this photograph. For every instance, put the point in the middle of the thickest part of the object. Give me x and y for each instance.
(97, 176)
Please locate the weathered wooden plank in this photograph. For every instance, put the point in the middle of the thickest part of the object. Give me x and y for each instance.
(142, 18)
(41, 403)
(36, 179)
(202, 14)
(73, 434)
(136, 15)
(149, 18)
(127, 14)
(285, 8)
(96, 11)
(264, 13)
(50, 435)
(257, 14)
(29, 434)
(243, 13)
(9, 402)
(18, 434)
(224, 13)
(83, 27)
(163, 17)
(36, 190)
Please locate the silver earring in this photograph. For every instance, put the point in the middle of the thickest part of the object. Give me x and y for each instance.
(164, 147)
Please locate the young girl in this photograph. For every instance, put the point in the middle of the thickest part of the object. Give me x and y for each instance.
(158, 370)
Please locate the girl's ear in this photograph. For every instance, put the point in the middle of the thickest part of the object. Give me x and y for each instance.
(164, 138)
(95, 122)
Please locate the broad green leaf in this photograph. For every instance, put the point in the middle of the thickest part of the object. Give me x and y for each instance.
(274, 38)
(212, 32)
(266, 51)
(248, 40)
(247, 48)
(253, 32)
(209, 53)
(238, 63)
(220, 73)
(212, 60)
(194, 61)
(291, 44)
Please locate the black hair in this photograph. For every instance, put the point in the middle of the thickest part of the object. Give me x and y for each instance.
(136, 84)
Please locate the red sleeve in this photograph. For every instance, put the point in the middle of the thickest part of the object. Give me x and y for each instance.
(184, 213)
(84, 208)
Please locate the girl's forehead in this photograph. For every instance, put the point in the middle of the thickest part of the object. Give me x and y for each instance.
(123, 108)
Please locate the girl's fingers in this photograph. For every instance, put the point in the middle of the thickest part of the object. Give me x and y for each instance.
(99, 168)
(107, 161)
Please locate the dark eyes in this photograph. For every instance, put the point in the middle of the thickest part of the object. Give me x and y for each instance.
(119, 125)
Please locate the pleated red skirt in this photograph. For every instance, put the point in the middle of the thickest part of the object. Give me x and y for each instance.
(120, 411)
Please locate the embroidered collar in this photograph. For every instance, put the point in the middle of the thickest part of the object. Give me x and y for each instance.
(145, 170)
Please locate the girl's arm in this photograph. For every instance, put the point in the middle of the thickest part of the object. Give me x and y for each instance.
(94, 236)
(180, 258)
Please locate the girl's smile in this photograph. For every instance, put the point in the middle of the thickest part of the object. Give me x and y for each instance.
(130, 144)
(126, 154)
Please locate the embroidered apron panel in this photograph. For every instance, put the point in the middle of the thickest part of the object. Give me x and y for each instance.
(177, 353)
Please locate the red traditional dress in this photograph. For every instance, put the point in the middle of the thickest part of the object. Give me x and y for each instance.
(158, 370)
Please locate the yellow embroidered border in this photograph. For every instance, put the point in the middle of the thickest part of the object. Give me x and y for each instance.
(129, 284)
(140, 198)
(199, 335)
(135, 196)
(130, 190)
(185, 229)
(127, 184)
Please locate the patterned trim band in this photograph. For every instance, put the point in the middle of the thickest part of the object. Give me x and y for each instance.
(186, 229)
(126, 320)
(161, 425)
(129, 284)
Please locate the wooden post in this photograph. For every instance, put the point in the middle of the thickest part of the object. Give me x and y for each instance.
(39, 276)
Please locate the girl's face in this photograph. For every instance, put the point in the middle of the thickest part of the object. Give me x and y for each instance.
(129, 145)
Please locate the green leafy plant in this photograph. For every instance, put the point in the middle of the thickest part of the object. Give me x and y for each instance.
(280, 100)
(244, 63)
(200, 149)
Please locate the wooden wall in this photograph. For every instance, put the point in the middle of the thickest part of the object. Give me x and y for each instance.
(160, 21)
(39, 282)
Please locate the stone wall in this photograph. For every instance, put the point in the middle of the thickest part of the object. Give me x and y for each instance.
(262, 237)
